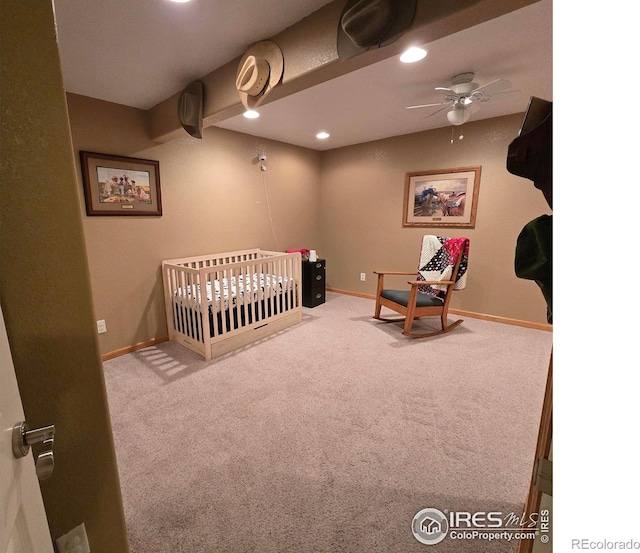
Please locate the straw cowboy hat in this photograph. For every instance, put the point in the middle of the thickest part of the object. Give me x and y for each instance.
(366, 24)
(259, 71)
(190, 107)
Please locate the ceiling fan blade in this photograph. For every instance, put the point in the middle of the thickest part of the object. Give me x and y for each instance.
(499, 85)
(498, 94)
(428, 105)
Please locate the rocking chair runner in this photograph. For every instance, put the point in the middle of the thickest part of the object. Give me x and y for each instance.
(443, 259)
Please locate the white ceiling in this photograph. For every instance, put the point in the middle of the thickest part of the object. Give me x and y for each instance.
(139, 53)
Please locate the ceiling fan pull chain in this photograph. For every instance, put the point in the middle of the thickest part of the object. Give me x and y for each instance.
(452, 134)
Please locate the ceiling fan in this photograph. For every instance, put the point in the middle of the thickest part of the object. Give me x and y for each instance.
(463, 95)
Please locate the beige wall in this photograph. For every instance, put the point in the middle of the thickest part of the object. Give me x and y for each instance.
(214, 199)
(346, 203)
(44, 283)
(362, 205)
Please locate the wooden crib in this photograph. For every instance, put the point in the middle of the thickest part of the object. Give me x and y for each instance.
(247, 295)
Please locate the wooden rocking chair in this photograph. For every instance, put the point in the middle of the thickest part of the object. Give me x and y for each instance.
(414, 304)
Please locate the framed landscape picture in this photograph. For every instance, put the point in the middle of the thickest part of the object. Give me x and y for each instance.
(117, 185)
(441, 198)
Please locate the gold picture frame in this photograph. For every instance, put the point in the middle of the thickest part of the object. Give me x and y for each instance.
(439, 198)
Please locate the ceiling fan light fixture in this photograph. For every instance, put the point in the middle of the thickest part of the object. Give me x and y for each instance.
(459, 115)
(413, 54)
(251, 114)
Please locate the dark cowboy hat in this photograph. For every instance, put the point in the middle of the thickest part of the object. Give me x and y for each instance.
(366, 24)
(190, 107)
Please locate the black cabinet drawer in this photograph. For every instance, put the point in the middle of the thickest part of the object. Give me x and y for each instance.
(315, 297)
(314, 266)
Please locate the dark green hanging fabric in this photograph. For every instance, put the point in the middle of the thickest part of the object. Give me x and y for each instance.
(534, 257)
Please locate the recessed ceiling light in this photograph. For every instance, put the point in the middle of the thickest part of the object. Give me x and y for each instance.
(413, 54)
(322, 135)
(251, 114)
(181, 1)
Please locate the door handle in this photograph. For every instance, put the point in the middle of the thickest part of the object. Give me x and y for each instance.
(23, 438)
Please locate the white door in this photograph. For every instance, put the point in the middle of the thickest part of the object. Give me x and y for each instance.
(23, 522)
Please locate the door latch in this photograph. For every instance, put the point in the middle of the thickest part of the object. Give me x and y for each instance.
(23, 438)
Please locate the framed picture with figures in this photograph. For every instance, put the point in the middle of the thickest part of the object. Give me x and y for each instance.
(117, 185)
(441, 198)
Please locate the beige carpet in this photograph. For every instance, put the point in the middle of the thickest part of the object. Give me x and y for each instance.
(328, 437)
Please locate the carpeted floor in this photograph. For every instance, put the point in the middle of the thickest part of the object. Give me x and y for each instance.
(328, 437)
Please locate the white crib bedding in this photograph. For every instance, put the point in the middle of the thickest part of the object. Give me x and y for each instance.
(235, 290)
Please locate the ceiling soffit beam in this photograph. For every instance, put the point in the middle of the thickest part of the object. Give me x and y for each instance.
(311, 57)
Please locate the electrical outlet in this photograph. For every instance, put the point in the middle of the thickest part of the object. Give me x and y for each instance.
(75, 541)
(102, 326)
(363, 277)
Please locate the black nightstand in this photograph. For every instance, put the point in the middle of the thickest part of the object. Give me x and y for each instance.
(313, 282)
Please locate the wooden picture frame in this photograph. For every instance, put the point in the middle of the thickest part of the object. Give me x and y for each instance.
(118, 185)
(439, 198)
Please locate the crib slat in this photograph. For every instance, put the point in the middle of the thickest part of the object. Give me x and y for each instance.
(212, 278)
(273, 279)
(249, 297)
(258, 305)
